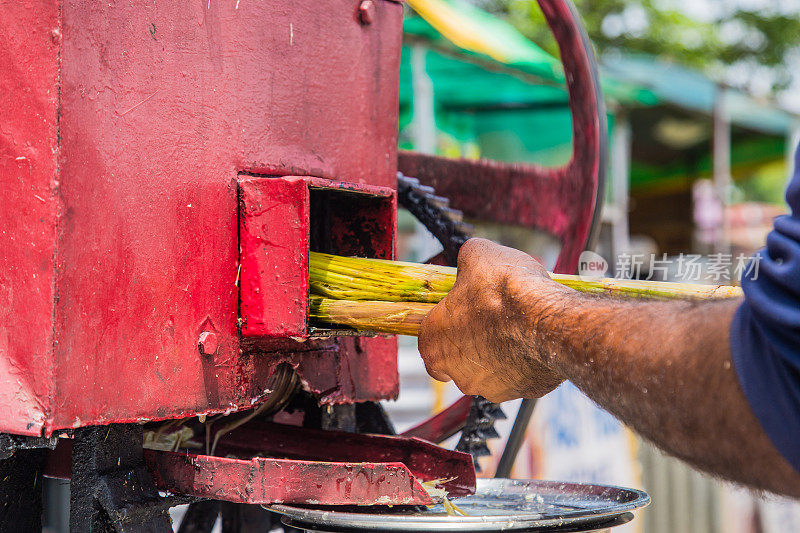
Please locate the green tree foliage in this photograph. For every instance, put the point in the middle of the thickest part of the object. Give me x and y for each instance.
(757, 42)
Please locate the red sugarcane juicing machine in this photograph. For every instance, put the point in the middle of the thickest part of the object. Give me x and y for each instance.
(165, 169)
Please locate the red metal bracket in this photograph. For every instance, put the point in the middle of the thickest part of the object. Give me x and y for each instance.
(444, 424)
(265, 480)
(425, 461)
(304, 466)
(280, 218)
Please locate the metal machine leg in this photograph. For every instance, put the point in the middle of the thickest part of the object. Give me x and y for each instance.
(111, 490)
(339, 417)
(21, 491)
(372, 418)
(200, 517)
(240, 518)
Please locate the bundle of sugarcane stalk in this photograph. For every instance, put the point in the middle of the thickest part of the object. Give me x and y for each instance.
(394, 296)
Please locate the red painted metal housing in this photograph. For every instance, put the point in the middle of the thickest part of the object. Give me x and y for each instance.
(124, 131)
(166, 169)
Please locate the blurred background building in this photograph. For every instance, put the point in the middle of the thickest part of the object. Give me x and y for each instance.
(700, 153)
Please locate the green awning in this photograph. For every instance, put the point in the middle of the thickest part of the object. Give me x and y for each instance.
(499, 95)
(692, 90)
(458, 27)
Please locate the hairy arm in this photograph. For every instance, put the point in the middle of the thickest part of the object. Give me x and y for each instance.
(506, 331)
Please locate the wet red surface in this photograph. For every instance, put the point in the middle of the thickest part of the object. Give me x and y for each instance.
(274, 463)
(125, 129)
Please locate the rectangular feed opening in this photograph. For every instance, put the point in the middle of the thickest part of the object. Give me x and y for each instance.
(280, 220)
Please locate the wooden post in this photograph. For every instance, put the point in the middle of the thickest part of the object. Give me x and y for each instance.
(617, 209)
(722, 166)
(424, 118)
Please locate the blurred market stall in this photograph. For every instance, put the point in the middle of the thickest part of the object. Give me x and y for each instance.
(695, 167)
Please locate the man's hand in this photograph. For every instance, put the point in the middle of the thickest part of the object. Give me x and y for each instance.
(507, 330)
(483, 334)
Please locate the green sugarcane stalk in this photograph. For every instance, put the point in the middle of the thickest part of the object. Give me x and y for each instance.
(397, 318)
(393, 296)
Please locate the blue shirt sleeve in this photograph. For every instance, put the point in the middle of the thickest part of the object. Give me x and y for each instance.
(765, 334)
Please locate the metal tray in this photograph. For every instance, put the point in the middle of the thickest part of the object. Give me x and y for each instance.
(498, 504)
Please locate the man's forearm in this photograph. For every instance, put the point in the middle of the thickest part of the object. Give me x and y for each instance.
(507, 330)
(665, 369)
